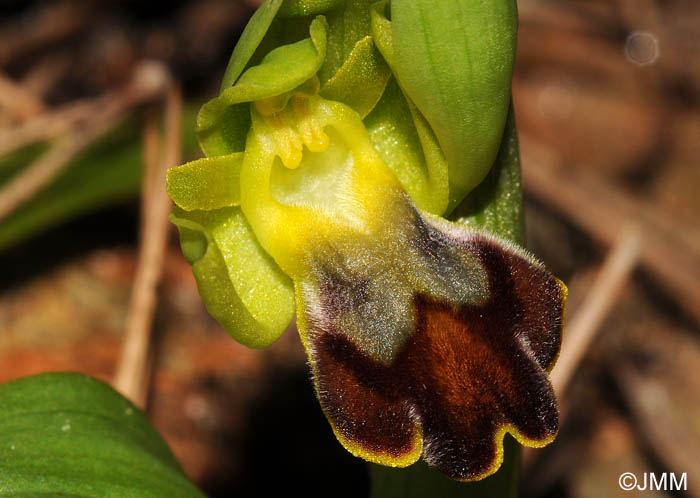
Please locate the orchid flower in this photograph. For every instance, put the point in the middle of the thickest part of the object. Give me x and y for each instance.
(343, 135)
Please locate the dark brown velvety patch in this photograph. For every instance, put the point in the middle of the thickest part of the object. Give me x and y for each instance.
(464, 374)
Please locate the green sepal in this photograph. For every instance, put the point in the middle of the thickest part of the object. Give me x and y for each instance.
(408, 146)
(347, 25)
(242, 287)
(65, 434)
(301, 8)
(280, 71)
(455, 63)
(422, 168)
(249, 40)
(380, 27)
(360, 81)
(230, 134)
(421, 480)
(496, 205)
(283, 69)
(208, 183)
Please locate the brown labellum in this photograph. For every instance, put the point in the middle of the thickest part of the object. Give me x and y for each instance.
(465, 374)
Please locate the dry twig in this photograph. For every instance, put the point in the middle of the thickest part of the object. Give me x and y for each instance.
(22, 187)
(147, 83)
(41, 27)
(51, 124)
(600, 299)
(17, 100)
(670, 251)
(42, 77)
(647, 397)
(134, 368)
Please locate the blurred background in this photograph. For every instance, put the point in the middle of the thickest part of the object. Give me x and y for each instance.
(607, 96)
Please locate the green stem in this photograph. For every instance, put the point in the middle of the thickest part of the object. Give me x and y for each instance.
(422, 481)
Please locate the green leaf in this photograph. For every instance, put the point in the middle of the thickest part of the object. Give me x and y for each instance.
(208, 183)
(241, 285)
(455, 62)
(251, 37)
(361, 80)
(14, 162)
(67, 434)
(281, 71)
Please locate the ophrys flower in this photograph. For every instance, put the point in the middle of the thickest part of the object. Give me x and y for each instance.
(321, 194)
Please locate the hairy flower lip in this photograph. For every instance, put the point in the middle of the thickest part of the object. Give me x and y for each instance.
(382, 412)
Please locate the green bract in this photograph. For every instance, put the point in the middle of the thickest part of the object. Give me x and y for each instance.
(431, 84)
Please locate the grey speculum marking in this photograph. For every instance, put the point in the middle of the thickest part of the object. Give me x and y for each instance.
(367, 285)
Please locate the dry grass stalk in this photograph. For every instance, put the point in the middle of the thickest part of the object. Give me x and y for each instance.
(27, 183)
(666, 436)
(84, 123)
(17, 100)
(580, 331)
(42, 27)
(148, 81)
(134, 369)
(41, 78)
(600, 299)
(671, 251)
(49, 125)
